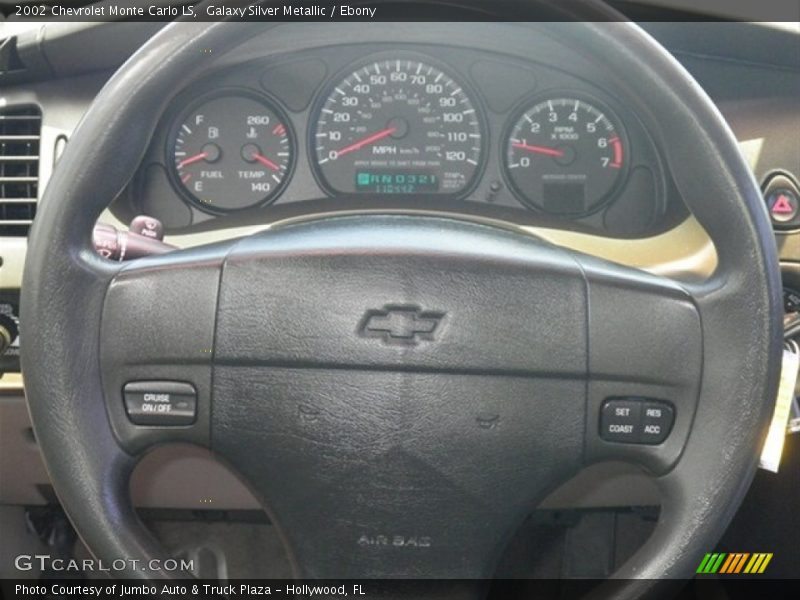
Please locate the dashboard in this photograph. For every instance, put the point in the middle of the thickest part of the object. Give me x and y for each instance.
(403, 126)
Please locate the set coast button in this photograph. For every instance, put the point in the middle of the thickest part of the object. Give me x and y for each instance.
(619, 420)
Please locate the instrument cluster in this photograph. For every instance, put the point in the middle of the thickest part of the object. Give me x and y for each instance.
(446, 129)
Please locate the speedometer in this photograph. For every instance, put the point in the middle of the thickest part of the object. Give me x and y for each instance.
(398, 127)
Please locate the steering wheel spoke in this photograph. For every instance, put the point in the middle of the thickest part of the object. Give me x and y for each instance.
(156, 345)
(645, 365)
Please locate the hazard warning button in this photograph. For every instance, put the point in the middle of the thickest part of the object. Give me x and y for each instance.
(782, 196)
(783, 204)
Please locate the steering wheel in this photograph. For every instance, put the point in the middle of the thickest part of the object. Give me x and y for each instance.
(399, 391)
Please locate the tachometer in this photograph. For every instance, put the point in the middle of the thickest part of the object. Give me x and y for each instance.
(565, 155)
(398, 127)
(231, 151)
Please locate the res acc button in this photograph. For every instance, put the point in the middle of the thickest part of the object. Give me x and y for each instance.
(160, 403)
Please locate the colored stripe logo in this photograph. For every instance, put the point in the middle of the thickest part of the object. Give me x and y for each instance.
(734, 563)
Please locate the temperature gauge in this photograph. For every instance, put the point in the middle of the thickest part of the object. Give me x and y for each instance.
(231, 151)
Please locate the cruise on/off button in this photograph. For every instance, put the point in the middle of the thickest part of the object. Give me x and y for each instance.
(164, 403)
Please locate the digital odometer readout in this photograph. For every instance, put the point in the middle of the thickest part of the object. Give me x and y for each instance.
(397, 126)
(397, 182)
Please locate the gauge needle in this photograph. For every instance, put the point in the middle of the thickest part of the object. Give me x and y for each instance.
(265, 161)
(547, 151)
(367, 140)
(192, 159)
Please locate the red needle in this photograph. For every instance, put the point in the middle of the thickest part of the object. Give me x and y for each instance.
(192, 159)
(366, 141)
(539, 149)
(265, 161)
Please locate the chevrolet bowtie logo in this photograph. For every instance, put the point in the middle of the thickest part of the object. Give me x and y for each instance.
(406, 325)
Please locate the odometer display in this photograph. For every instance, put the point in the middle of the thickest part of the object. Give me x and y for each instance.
(398, 127)
(396, 182)
(565, 156)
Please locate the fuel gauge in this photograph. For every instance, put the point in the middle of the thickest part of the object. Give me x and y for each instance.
(231, 151)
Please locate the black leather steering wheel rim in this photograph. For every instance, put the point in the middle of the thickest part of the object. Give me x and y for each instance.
(738, 307)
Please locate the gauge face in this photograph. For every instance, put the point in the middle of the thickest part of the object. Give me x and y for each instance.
(398, 127)
(565, 156)
(231, 151)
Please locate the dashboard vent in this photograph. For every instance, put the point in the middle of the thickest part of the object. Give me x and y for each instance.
(20, 130)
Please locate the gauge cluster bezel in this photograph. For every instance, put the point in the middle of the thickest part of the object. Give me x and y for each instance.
(489, 195)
